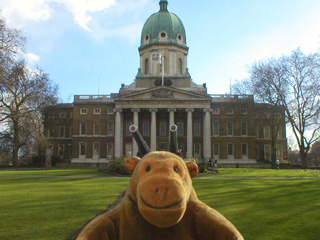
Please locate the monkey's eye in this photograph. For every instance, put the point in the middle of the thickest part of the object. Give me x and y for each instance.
(176, 169)
(148, 168)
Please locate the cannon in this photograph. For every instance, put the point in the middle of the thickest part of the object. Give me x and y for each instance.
(173, 139)
(143, 147)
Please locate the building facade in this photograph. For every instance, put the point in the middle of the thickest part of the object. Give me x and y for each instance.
(229, 128)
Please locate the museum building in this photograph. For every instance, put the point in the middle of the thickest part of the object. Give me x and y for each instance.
(232, 129)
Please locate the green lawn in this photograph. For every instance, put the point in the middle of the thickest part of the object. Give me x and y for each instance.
(56, 172)
(262, 209)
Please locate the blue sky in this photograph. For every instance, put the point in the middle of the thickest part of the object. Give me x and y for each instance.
(78, 42)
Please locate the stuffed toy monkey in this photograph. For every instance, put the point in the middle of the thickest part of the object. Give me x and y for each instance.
(160, 204)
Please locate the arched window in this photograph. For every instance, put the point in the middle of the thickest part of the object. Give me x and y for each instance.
(146, 66)
(179, 66)
(164, 61)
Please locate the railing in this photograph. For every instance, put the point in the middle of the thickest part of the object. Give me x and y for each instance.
(230, 97)
(78, 98)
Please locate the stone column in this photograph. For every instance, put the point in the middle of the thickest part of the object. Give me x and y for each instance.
(117, 134)
(171, 116)
(153, 142)
(189, 153)
(207, 134)
(136, 123)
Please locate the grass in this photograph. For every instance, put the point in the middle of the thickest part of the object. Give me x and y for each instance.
(247, 172)
(56, 172)
(262, 209)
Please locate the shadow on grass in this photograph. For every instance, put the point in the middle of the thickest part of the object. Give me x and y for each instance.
(266, 209)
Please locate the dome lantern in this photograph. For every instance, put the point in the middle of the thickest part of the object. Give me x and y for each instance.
(163, 5)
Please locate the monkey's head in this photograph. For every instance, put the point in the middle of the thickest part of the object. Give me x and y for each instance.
(161, 186)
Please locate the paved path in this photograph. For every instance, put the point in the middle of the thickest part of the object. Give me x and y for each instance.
(205, 178)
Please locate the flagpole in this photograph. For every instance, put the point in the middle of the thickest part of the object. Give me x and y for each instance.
(162, 66)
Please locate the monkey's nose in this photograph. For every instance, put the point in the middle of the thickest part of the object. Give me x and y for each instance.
(161, 193)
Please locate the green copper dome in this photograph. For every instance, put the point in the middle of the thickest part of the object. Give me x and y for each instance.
(163, 27)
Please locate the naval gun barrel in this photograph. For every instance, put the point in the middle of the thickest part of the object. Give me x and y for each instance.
(143, 147)
(173, 140)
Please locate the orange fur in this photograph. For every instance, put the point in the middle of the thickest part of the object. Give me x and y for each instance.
(160, 203)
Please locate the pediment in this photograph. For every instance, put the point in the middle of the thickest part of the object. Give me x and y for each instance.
(163, 93)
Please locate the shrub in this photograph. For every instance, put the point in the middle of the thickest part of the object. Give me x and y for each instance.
(117, 167)
(201, 166)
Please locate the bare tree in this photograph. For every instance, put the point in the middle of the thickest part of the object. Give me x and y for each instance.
(23, 94)
(12, 43)
(269, 109)
(292, 82)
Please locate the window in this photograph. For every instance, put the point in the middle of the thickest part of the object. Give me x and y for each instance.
(230, 149)
(51, 132)
(83, 128)
(128, 124)
(215, 111)
(71, 131)
(163, 128)
(109, 149)
(96, 149)
(82, 148)
(266, 131)
(128, 149)
(145, 129)
(97, 111)
(229, 129)
(216, 149)
(96, 128)
(267, 152)
(243, 129)
(146, 66)
(83, 111)
(197, 148)
(71, 115)
(62, 131)
(243, 111)
(215, 129)
(50, 149)
(179, 66)
(180, 128)
(279, 132)
(110, 128)
(70, 150)
(62, 115)
(257, 131)
(196, 130)
(164, 61)
(110, 111)
(229, 111)
(60, 150)
(244, 149)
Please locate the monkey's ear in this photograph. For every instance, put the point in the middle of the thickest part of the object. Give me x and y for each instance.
(131, 163)
(193, 169)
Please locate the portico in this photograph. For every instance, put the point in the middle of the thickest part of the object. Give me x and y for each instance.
(153, 123)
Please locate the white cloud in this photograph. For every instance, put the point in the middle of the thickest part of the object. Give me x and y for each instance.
(81, 9)
(32, 58)
(41, 10)
(31, 9)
